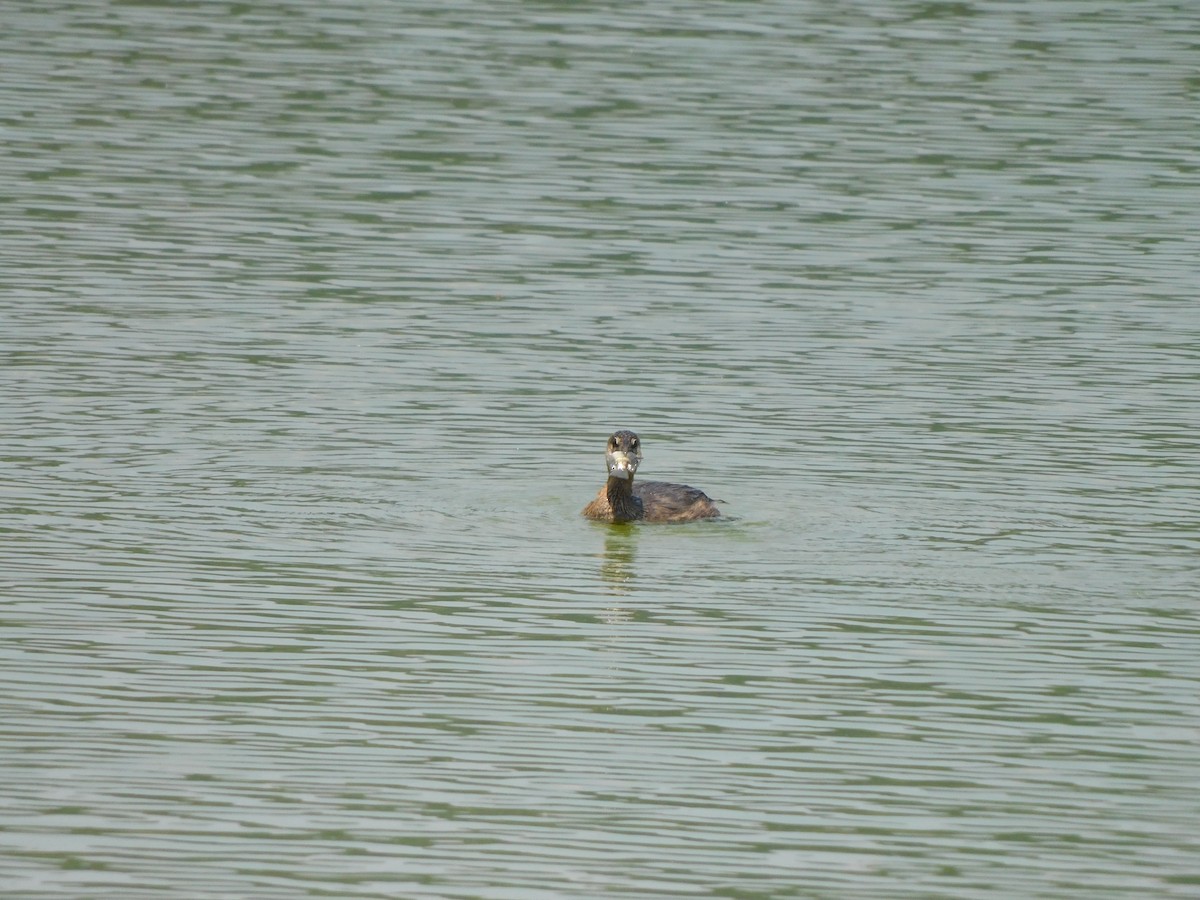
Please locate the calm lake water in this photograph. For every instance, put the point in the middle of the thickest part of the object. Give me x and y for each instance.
(316, 317)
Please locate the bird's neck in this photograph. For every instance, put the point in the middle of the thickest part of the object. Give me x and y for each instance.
(625, 506)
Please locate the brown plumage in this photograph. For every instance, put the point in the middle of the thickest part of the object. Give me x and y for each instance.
(620, 500)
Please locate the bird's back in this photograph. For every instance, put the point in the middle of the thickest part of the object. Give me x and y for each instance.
(666, 502)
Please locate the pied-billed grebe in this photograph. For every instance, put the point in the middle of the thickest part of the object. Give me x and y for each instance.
(620, 500)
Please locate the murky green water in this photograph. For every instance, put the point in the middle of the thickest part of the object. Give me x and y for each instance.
(315, 319)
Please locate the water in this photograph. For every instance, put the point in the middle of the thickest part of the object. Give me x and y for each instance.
(316, 317)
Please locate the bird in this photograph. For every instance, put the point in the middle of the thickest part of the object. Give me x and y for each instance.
(620, 500)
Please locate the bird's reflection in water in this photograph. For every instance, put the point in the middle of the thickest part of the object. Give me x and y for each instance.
(616, 567)
(620, 548)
